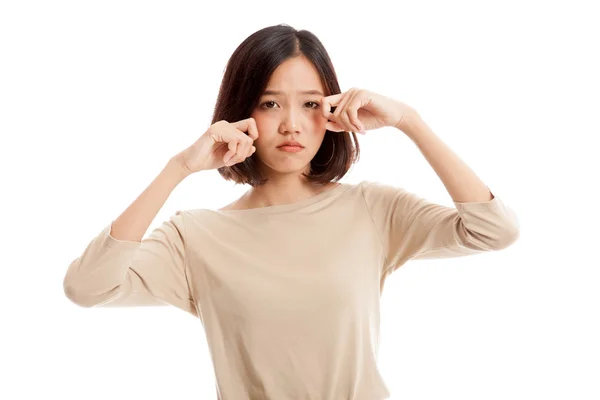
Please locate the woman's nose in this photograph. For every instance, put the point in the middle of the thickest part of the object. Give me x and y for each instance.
(291, 120)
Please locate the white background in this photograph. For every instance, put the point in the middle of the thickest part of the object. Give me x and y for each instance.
(95, 97)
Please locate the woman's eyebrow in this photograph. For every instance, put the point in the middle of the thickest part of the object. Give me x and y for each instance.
(278, 92)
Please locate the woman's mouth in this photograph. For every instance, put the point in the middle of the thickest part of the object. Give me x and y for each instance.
(290, 149)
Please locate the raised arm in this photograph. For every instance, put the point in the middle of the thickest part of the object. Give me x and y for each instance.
(412, 227)
(118, 268)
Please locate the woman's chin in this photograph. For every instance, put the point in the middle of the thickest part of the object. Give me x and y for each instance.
(288, 165)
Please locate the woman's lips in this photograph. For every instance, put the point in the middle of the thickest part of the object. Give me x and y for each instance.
(290, 149)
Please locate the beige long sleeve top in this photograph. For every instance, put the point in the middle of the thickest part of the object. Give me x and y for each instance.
(288, 295)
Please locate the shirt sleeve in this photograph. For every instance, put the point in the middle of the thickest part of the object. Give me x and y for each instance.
(413, 228)
(118, 273)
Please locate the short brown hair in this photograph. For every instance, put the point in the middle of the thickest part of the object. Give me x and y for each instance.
(246, 76)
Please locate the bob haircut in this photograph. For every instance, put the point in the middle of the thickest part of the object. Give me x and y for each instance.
(246, 76)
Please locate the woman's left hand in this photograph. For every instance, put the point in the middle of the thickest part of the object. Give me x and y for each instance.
(359, 110)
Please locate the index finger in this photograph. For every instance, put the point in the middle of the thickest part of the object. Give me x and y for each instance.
(330, 103)
(248, 125)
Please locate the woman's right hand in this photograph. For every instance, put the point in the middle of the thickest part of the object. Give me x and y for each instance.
(223, 144)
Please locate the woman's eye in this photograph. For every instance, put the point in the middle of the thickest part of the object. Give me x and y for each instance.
(315, 104)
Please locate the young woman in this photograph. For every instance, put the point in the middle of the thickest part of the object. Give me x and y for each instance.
(287, 279)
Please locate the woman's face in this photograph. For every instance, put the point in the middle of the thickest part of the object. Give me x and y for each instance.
(292, 113)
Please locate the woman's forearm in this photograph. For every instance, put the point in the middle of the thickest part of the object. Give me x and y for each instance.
(133, 223)
(461, 182)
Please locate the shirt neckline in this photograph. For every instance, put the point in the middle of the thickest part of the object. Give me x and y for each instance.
(291, 206)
